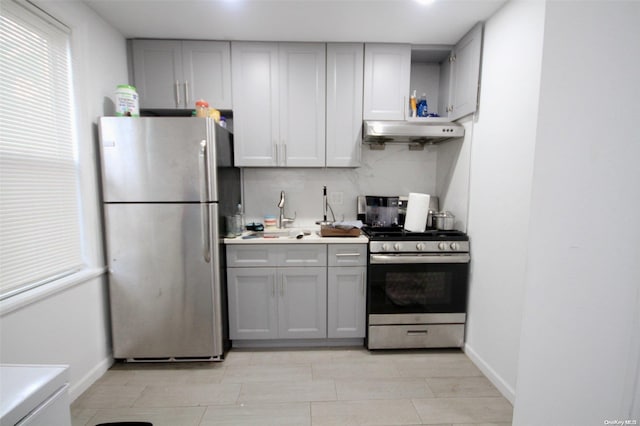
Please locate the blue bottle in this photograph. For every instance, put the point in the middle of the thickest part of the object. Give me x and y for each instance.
(422, 106)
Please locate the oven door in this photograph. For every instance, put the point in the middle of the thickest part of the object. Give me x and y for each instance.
(417, 284)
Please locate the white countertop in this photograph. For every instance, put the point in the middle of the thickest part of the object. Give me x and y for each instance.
(288, 236)
(24, 387)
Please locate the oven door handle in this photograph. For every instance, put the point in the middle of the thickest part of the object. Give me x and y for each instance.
(403, 258)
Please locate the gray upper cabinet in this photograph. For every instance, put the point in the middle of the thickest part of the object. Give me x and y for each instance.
(254, 67)
(465, 74)
(302, 104)
(174, 74)
(344, 104)
(279, 107)
(448, 75)
(387, 70)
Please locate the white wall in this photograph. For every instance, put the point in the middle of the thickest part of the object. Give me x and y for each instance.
(580, 343)
(71, 326)
(394, 171)
(501, 172)
(452, 175)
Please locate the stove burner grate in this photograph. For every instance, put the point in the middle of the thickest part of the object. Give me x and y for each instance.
(398, 233)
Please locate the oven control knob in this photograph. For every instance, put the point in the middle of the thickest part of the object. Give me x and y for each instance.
(385, 247)
(454, 246)
(420, 246)
(442, 246)
(396, 247)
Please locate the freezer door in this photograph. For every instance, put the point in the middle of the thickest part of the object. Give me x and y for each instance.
(164, 280)
(158, 159)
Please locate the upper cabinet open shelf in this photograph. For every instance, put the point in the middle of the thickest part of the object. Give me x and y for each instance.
(447, 75)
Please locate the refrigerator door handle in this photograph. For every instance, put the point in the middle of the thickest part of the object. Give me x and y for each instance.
(204, 208)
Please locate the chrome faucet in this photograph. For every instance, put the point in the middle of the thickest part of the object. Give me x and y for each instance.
(282, 218)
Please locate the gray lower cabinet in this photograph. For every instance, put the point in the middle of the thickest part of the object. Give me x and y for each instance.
(302, 303)
(174, 74)
(296, 291)
(346, 288)
(278, 301)
(346, 291)
(253, 304)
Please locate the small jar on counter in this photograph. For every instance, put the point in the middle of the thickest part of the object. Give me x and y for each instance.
(202, 108)
(270, 221)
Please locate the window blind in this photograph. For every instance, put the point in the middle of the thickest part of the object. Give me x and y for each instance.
(39, 203)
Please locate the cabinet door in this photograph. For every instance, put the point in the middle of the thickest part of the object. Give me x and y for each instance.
(254, 87)
(465, 73)
(252, 303)
(444, 98)
(302, 306)
(157, 73)
(346, 315)
(207, 73)
(302, 104)
(387, 69)
(344, 104)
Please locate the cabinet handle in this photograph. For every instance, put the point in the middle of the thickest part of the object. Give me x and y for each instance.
(363, 283)
(277, 148)
(273, 289)
(347, 254)
(186, 93)
(284, 156)
(415, 332)
(404, 107)
(282, 288)
(177, 88)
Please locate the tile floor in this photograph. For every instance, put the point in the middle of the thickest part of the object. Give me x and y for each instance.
(299, 387)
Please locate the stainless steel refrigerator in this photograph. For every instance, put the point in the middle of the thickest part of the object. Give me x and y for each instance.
(167, 184)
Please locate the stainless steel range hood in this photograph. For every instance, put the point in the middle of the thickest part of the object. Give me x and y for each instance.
(415, 133)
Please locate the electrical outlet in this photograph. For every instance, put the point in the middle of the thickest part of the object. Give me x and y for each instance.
(335, 198)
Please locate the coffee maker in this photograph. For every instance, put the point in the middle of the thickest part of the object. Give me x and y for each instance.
(374, 210)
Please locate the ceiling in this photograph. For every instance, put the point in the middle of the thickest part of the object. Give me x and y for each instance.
(398, 21)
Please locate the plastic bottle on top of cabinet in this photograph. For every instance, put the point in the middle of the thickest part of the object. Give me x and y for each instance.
(413, 104)
(422, 106)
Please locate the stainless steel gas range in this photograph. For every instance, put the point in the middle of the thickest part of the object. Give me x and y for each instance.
(417, 286)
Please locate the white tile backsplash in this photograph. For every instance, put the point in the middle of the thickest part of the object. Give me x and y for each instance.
(393, 171)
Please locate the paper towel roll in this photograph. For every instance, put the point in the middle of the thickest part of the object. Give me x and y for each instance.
(417, 211)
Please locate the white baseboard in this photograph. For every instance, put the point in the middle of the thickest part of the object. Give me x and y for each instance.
(503, 387)
(77, 389)
(297, 343)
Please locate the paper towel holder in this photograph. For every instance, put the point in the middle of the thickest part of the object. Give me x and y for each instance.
(403, 200)
(417, 212)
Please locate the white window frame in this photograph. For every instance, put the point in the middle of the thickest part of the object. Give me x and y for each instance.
(83, 271)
